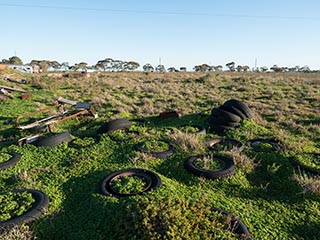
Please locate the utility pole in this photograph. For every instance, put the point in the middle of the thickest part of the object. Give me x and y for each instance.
(255, 65)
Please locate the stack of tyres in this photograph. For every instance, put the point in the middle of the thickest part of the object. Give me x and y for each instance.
(228, 116)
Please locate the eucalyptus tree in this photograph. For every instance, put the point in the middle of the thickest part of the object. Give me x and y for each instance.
(160, 68)
(231, 66)
(148, 67)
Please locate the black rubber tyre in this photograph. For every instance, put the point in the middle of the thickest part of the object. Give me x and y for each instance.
(240, 106)
(305, 168)
(226, 171)
(201, 130)
(220, 128)
(225, 141)
(113, 125)
(15, 157)
(236, 225)
(276, 144)
(153, 181)
(233, 110)
(40, 205)
(53, 140)
(230, 117)
(213, 120)
(163, 155)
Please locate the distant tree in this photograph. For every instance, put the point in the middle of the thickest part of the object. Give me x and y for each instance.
(239, 68)
(263, 69)
(15, 60)
(105, 64)
(172, 69)
(130, 66)
(276, 68)
(82, 65)
(148, 67)
(202, 68)
(218, 68)
(54, 64)
(231, 66)
(245, 68)
(183, 69)
(160, 68)
(305, 69)
(65, 66)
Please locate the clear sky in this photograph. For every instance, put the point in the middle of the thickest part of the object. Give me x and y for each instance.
(180, 32)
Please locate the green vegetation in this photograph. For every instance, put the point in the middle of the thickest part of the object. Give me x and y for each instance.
(14, 204)
(128, 184)
(4, 157)
(155, 145)
(266, 192)
(208, 163)
(309, 160)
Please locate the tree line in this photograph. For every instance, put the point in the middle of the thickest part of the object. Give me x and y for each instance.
(112, 65)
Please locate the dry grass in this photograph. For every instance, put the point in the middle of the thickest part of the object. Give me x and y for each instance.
(309, 184)
(187, 142)
(22, 232)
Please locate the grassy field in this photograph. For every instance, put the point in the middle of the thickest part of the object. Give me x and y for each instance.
(274, 200)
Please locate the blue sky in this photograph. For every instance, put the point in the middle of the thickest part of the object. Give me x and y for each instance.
(180, 32)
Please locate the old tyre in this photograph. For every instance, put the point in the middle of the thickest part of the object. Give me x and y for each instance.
(234, 110)
(230, 117)
(151, 179)
(236, 225)
(240, 106)
(15, 157)
(39, 206)
(163, 155)
(53, 140)
(121, 123)
(214, 120)
(227, 170)
(219, 129)
(231, 144)
(256, 144)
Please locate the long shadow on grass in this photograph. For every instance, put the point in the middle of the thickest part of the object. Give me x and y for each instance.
(274, 178)
(84, 214)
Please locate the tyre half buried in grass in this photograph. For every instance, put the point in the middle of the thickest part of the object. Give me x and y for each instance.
(149, 179)
(201, 170)
(15, 157)
(235, 224)
(159, 154)
(53, 140)
(40, 204)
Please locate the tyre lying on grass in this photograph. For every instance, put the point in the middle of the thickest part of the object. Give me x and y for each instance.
(9, 159)
(113, 125)
(265, 145)
(210, 166)
(156, 148)
(224, 144)
(53, 140)
(13, 212)
(129, 182)
(235, 224)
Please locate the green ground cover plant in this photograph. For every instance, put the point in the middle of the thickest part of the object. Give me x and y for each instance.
(14, 204)
(266, 192)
